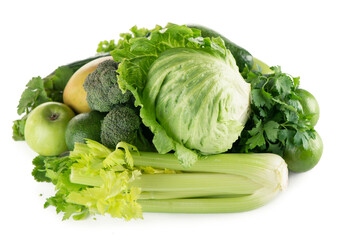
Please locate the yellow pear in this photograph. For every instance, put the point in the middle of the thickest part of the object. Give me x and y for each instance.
(74, 95)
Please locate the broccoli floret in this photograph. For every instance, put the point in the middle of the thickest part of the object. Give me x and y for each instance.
(102, 89)
(122, 123)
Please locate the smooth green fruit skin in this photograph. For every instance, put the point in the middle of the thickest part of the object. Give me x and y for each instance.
(45, 128)
(299, 159)
(84, 126)
(310, 105)
(265, 68)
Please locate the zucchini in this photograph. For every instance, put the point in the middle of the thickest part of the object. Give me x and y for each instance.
(243, 57)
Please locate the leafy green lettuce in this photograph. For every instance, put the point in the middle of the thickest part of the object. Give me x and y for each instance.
(191, 93)
(107, 46)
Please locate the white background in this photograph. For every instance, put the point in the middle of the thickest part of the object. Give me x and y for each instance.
(38, 36)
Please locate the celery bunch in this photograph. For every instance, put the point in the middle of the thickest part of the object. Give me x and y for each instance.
(124, 182)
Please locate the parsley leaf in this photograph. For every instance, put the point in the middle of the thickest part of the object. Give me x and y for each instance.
(257, 138)
(19, 128)
(257, 97)
(271, 129)
(283, 84)
(32, 96)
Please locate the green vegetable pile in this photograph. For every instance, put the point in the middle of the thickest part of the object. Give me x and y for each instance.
(40, 90)
(185, 121)
(188, 63)
(122, 122)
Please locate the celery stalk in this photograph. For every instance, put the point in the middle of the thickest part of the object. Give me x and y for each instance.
(184, 194)
(268, 170)
(264, 168)
(212, 183)
(182, 185)
(218, 183)
(209, 205)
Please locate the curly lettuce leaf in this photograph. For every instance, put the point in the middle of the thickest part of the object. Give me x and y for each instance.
(107, 46)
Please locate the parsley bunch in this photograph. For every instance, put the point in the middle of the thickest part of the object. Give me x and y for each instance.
(277, 119)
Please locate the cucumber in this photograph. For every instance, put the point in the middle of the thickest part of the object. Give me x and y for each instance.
(243, 57)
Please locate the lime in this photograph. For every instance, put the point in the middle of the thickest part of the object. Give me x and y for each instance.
(84, 126)
(310, 105)
(265, 68)
(299, 159)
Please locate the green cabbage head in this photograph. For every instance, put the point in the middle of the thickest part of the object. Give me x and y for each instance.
(189, 88)
(200, 99)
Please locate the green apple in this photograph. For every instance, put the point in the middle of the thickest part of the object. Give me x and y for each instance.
(45, 128)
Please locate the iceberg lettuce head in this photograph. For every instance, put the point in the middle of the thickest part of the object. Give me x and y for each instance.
(189, 88)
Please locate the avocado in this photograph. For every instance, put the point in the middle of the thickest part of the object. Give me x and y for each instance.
(84, 126)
